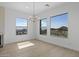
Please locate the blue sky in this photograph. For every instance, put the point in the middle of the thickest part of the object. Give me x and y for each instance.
(21, 22)
(59, 21)
(44, 22)
(56, 22)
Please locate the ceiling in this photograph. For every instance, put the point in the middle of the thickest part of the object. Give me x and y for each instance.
(29, 7)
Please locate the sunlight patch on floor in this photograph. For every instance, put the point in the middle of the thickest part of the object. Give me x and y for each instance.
(24, 44)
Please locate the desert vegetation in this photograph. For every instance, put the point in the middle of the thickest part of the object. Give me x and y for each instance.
(62, 31)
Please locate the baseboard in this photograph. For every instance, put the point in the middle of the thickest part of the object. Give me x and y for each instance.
(59, 45)
(16, 42)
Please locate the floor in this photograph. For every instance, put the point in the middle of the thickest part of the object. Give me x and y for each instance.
(35, 48)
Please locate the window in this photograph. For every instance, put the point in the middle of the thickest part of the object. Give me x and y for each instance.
(21, 26)
(59, 25)
(43, 26)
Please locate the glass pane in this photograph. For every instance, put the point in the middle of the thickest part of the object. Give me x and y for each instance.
(59, 25)
(43, 26)
(21, 26)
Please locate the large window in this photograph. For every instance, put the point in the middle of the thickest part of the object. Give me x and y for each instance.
(59, 25)
(21, 26)
(43, 26)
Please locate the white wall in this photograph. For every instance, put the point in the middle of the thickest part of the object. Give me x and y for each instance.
(73, 39)
(2, 15)
(10, 27)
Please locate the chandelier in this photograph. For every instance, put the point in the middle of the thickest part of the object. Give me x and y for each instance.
(33, 17)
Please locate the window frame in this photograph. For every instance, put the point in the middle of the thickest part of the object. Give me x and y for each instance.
(27, 24)
(56, 16)
(41, 27)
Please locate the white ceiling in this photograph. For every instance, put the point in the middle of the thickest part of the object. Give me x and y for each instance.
(27, 7)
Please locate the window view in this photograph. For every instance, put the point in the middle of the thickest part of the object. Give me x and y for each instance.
(59, 25)
(21, 26)
(43, 26)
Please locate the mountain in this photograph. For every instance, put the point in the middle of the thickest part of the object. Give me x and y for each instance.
(61, 28)
(21, 27)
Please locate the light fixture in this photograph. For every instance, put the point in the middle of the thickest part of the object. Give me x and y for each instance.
(33, 17)
(47, 5)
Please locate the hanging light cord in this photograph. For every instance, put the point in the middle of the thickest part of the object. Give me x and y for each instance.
(33, 9)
